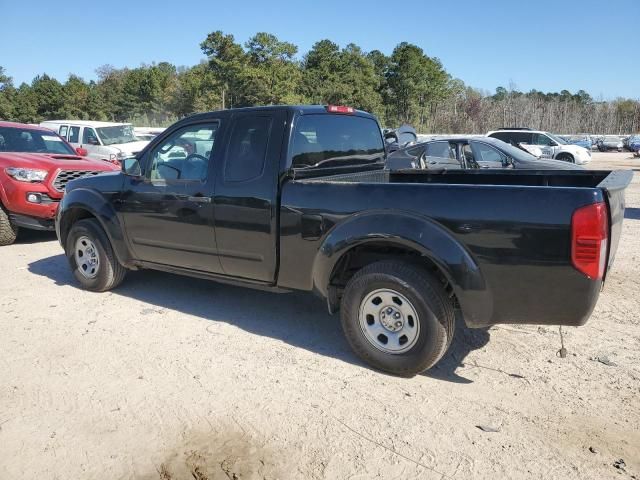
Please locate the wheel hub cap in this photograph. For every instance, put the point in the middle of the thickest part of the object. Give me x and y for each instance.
(389, 321)
(86, 256)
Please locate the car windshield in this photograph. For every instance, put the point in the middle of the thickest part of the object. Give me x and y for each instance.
(557, 139)
(116, 134)
(32, 141)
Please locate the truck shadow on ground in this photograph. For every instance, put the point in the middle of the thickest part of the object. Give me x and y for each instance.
(26, 236)
(298, 318)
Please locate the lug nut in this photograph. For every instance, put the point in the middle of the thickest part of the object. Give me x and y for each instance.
(398, 324)
(389, 311)
(396, 315)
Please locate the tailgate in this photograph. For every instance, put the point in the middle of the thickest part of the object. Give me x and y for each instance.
(614, 186)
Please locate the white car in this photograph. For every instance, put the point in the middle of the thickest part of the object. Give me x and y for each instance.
(108, 141)
(147, 133)
(550, 145)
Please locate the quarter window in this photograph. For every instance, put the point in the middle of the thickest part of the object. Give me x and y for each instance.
(185, 154)
(247, 148)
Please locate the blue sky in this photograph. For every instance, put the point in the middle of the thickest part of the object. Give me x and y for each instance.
(541, 44)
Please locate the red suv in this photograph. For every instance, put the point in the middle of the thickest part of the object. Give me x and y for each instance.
(35, 166)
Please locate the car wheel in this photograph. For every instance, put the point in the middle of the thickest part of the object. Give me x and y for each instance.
(397, 317)
(91, 257)
(8, 231)
(566, 157)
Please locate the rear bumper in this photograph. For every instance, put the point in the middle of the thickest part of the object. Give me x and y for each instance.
(32, 223)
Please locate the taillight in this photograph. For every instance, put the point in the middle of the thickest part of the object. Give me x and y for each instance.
(589, 236)
(339, 109)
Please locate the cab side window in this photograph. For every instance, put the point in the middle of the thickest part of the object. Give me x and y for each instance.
(74, 134)
(185, 154)
(89, 137)
(63, 131)
(247, 148)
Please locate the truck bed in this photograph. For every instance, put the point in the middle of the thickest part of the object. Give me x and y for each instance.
(531, 178)
(514, 225)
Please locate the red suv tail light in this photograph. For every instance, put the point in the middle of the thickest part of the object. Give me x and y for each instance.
(589, 236)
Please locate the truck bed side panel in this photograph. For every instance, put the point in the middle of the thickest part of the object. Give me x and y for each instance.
(518, 235)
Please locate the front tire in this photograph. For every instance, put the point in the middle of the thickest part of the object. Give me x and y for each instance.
(8, 231)
(565, 157)
(397, 317)
(91, 257)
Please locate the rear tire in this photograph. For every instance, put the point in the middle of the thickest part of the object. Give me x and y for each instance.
(91, 257)
(389, 300)
(8, 231)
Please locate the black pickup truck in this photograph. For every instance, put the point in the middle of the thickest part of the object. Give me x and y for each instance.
(297, 197)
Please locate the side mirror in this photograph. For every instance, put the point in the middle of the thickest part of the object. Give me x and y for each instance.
(82, 151)
(553, 144)
(93, 141)
(131, 166)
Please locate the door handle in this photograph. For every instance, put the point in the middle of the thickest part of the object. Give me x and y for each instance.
(199, 199)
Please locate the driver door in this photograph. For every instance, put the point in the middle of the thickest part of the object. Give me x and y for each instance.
(168, 211)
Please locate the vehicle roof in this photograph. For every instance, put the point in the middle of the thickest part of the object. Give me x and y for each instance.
(86, 123)
(519, 130)
(463, 138)
(23, 125)
(300, 109)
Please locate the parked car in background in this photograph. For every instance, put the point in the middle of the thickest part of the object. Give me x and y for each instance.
(610, 142)
(634, 143)
(147, 133)
(108, 141)
(580, 140)
(398, 138)
(469, 153)
(552, 146)
(35, 166)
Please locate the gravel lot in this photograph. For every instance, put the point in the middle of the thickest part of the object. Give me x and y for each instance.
(174, 378)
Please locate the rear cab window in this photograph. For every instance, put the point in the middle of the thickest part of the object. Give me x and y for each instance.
(329, 141)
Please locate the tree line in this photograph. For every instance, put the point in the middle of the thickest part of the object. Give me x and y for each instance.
(407, 86)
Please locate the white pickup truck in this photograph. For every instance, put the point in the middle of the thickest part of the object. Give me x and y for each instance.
(550, 145)
(108, 141)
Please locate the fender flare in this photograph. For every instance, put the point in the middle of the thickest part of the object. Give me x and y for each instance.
(417, 233)
(99, 207)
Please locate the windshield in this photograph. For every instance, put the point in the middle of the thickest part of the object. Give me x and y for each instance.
(32, 141)
(116, 134)
(556, 139)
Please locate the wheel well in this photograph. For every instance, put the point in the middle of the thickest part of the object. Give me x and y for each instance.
(565, 155)
(363, 255)
(71, 217)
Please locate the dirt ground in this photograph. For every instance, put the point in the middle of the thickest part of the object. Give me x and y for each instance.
(174, 378)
